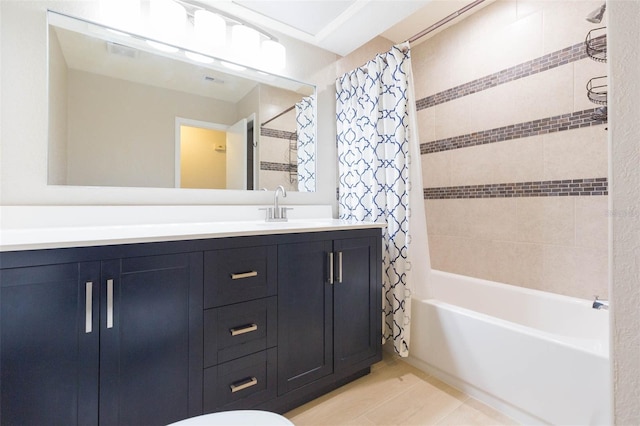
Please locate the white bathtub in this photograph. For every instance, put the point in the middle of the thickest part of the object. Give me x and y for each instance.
(538, 357)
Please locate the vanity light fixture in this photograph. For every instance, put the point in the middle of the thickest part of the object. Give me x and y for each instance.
(248, 44)
(196, 27)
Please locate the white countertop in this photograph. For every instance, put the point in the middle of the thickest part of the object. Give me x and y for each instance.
(47, 228)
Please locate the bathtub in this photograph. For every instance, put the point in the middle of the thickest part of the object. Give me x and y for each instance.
(538, 357)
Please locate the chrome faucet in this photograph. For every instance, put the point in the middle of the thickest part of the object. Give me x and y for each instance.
(277, 213)
(600, 304)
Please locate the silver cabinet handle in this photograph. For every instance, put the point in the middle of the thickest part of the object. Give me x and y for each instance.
(109, 303)
(243, 384)
(237, 331)
(88, 307)
(339, 278)
(330, 267)
(244, 275)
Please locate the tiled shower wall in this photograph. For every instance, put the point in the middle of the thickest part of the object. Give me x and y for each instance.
(514, 168)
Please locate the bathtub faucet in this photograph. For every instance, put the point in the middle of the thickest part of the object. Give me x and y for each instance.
(600, 304)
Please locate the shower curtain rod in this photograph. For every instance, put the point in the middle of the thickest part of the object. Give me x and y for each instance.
(445, 20)
(282, 113)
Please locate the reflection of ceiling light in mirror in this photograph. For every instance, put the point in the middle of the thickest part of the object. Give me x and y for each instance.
(209, 28)
(245, 43)
(162, 47)
(123, 14)
(168, 20)
(233, 66)
(273, 55)
(198, 57)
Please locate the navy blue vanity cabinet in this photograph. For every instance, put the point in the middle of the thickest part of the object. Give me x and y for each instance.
(148, 364)
(100, 342)
(329, 311)
(240, 317)
(48, 345)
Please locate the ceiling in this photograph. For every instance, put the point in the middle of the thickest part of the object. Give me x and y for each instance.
(340, 26)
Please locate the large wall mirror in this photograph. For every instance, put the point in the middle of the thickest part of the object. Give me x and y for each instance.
(122, 113)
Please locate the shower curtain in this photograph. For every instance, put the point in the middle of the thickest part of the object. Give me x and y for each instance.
(305, 124)
(377, 138)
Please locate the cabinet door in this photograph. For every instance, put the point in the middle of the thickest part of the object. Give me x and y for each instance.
(49, 344)
(305, 314)
(357, 303)
(149, 355)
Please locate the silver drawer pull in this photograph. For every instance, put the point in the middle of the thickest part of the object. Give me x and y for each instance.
(243, 384)
(244, 275)
(110, 303)
(236, 331)
(88, 302)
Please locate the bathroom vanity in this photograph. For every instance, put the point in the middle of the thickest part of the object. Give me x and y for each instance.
(160, 329)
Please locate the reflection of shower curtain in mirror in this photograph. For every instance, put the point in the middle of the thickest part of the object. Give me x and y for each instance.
(305, 119)
(377, 137)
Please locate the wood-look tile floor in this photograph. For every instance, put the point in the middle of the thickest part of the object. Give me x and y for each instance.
(396, 393)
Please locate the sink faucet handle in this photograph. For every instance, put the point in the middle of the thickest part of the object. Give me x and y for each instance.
(268, 212)
(283, 211)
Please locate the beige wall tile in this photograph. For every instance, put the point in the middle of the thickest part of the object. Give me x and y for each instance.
(559, 270)
(592, 222)
(445, 217)
(519, 160)
(489, 218)
(465, 256)
(426, 119)
(503, 47)
(518, 101)
(519, 264)
(575, 271)
(576, 154)
(473, 165)
(436, 169)
(438, 55)
(547, 220)
(592, 272)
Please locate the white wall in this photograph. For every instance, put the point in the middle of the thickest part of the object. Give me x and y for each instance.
(624, 141)
(122, 133)
(23, 178)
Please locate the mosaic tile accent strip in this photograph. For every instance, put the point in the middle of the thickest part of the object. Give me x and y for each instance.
(278, 167)
(551, 188)
(280, 134)
(558, 123)
(525, 69)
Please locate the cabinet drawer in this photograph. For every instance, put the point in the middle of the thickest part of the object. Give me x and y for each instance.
(238, 275)
(242, 383)
(237, 330)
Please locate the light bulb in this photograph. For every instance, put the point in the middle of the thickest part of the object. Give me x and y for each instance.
(168, 21)
(120, 14)
(209, 29)
(245, 43)
(198, 57)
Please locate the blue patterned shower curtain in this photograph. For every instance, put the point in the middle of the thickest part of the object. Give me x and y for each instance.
(374, 136)
(305, 123)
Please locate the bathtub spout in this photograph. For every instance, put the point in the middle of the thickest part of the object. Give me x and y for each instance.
(600, 304)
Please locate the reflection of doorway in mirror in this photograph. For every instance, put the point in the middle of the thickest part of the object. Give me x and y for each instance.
(215, 156)
(202, 158)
